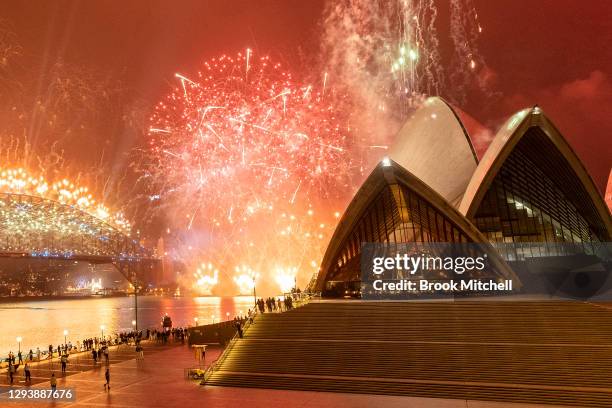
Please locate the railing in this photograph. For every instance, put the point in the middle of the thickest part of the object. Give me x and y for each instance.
(302, 299)
(44, 357)
(230, 345)
(114, 341)
(54, 357)
(312, 282)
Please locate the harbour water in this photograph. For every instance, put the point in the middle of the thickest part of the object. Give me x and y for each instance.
(42, 322)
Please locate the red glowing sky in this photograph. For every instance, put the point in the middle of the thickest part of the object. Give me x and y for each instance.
(554, 53)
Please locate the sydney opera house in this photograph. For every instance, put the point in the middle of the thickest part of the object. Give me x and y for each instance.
(527, 198)
(528, 187)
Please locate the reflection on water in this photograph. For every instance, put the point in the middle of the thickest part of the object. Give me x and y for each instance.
(43, 321)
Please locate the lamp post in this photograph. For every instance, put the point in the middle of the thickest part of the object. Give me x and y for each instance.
(227, 315)
(134, 324)
(213, 319)
(65, 334)
(135, 321)
(19, 343)
(254, 293)
(102, 329)
(195, 319)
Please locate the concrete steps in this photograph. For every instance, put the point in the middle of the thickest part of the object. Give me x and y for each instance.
(558, 353)
(458, 391)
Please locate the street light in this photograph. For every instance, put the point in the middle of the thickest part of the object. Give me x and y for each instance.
(213, 318)
(227, 315)
(65, 334)
(195, 319)
(254, 293)
(102, 328)
(19, 343)
(134, 323)
(135, 306)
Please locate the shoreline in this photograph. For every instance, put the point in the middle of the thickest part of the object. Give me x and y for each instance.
(17, 299)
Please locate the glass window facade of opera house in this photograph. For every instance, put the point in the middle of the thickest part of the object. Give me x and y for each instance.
(528, 196)
(525, 204)
(395, 215)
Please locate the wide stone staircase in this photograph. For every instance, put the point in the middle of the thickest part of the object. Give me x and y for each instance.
(526, 352)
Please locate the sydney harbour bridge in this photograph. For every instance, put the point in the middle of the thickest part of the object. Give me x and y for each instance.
(39, 228)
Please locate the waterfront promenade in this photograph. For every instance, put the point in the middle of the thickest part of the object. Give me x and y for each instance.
(77, 363)
(158, 381)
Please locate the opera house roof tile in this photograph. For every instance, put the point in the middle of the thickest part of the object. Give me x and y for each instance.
(434, 146)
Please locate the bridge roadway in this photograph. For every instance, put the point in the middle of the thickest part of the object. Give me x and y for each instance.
(94, 259)
(133, 269)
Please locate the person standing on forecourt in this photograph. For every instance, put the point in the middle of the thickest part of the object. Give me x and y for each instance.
(53, 382)
(107, 377)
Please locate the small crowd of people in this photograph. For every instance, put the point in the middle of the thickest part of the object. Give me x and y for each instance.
(99, 348)
(238, 323)
(100, 353)
(163, 336)
(275, 304)
(13, 366)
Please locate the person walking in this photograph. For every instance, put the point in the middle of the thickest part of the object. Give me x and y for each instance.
(11, 371)
(20, 357)
(28, 375)
(53, 383)
(107, 377)
(64, 361)
(139, 352)
(94, 354)
(238, 325)
(31, 355)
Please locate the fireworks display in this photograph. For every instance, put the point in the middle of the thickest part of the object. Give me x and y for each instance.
(244, 124)
(206, 278)
(56, 219)
(256, 164)
(20, 182)
(387, 56)
(386, 52)
(246, 164)
(246, 154)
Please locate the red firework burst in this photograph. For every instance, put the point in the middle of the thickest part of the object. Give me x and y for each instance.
(242, 136)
